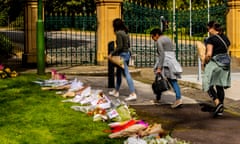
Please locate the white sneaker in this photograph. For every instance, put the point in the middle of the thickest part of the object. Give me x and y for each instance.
(131, 97)
(114, 93)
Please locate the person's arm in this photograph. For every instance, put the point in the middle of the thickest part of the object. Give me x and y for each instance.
(119, 44)
(161, 56)
(209, 51)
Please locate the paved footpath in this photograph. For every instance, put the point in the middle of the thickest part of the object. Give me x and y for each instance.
(191, 77)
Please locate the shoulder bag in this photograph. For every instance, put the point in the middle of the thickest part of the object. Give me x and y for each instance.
(223, 59)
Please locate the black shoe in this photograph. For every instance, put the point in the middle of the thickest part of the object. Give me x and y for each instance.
(207, 108)
(218, 110)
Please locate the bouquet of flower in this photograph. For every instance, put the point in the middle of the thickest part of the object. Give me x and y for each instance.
(6, 72)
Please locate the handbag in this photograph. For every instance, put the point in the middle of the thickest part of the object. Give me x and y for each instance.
(223, 60)
(160, 84)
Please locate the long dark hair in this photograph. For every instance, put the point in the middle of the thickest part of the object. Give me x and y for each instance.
(118, 24)
(215, 25)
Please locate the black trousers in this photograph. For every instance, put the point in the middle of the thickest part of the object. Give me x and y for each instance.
(217, 92)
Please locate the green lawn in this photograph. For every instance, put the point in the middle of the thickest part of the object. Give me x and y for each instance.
(29, 115)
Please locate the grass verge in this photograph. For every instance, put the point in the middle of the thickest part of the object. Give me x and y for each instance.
(30, 115)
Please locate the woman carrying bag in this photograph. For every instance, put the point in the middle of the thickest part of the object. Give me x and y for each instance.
(217, 74)
(167, 65)
(122, 50)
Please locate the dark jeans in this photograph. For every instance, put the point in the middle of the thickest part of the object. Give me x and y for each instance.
(216, 92)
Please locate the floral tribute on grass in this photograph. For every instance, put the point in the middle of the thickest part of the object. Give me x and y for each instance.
(121, 119)
(6, 72)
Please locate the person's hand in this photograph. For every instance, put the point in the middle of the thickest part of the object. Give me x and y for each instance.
(202, 66)
(158, 70)
(110, 55)
(207, 59)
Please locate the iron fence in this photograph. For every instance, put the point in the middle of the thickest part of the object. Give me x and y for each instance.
(184, 28)
(70, 39)
(12, 38)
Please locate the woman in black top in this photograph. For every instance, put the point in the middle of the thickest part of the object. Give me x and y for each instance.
(216, 77)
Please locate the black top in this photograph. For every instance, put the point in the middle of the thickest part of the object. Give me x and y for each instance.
(218, 45)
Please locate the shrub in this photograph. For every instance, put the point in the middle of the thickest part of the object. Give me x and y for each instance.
(6, 47)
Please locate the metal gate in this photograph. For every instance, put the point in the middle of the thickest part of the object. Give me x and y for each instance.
(12, 38)
(185, 28)
(70, 39)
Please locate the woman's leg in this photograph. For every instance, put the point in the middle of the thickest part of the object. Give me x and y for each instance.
(128, 78)
(119, 79)
(177, 91)
(220, 93)
(219, 105)
(212, 93)
(126, 57)
(174, 84)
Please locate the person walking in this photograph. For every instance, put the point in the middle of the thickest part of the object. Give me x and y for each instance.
(166, 64)
(122, 49)
(216, 76)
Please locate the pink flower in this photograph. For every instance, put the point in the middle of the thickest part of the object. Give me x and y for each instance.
(62, 76)
(1, 67)
(53, 73)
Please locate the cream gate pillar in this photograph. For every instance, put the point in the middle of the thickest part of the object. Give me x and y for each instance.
(107, 11)
(29, 57)
(30, 30)
(233, 30)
